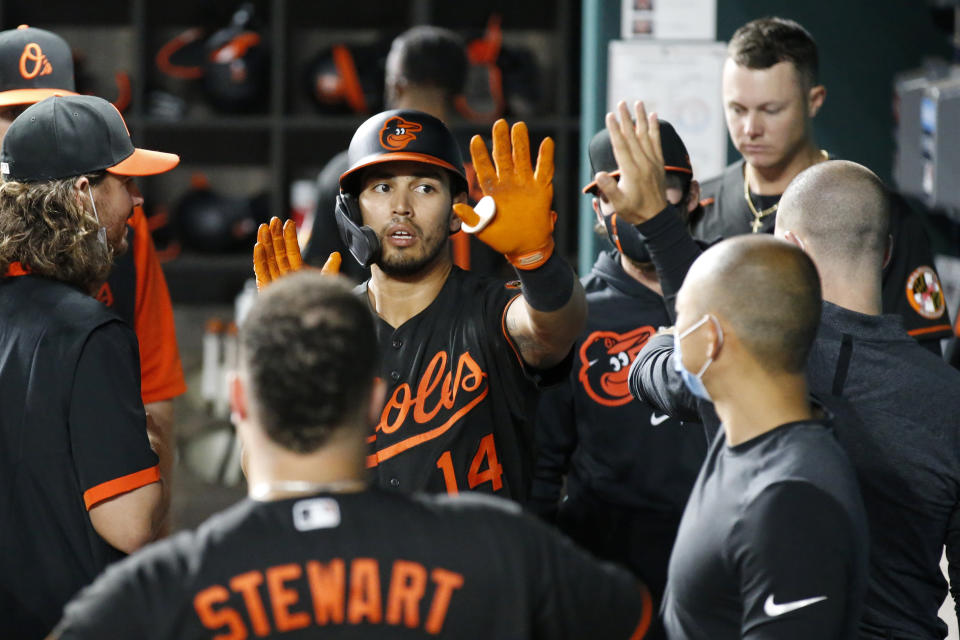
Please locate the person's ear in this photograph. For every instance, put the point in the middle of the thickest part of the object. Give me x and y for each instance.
(239, 410)
(455, 222)
(713, 342)
(693, 196)
(794, 239)
(815, 98)
(596, 209)
(81, 185)
(888, 254)
(378, 394)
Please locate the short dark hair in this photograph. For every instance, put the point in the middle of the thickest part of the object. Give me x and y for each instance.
(762, 43)
(745, 269)
(309, 349)
(429, 56)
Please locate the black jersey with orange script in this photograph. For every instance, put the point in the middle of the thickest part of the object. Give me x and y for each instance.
(460, 401)
(373, 564)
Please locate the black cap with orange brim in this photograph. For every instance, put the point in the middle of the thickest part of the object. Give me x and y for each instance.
(403, 135)
(35, 64)
(675, 157)
(61, 137)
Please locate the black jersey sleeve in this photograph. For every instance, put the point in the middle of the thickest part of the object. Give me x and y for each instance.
(796, 553)
(555, 432)
(108, 435)
(653, 380)
(911, 285)
(672, 249)
(580, 597)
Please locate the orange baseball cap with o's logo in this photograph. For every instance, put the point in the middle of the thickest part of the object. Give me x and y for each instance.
(35, 64)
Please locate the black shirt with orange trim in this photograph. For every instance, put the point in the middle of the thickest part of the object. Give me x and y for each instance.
(911, 286)
(460, 401)
(137, 291)
(72, 434)
(372, 564)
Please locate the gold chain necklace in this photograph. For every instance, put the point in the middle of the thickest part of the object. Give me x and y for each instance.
(758, 216)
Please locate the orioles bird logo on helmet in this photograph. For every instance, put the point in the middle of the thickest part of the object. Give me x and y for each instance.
(397, 133)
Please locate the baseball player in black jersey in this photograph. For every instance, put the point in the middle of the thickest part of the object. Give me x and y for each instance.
(314, 552)
(770, 96)
(462, 355)
(628, 468)
(79, 483)
(904, 451)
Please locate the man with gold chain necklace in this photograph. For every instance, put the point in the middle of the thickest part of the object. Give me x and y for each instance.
(770, 96)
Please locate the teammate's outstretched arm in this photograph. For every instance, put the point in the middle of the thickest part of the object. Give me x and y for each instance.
(515, 219)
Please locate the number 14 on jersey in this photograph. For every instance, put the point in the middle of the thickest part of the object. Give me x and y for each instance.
(483, 468)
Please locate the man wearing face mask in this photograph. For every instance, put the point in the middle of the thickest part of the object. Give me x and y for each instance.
(628, 468)
(772, 543)
(82, 478)
(773, 538)
(862, 362)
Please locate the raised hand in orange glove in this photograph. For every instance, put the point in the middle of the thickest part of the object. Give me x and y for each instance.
(277, 253)
(514, 216)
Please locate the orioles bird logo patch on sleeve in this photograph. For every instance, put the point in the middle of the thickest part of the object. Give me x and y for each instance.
(605, 358)
(397, 133)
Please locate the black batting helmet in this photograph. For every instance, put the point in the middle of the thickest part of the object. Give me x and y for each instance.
(403, 134)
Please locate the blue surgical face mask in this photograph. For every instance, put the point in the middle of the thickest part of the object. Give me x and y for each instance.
(694, 382)
(102, 232)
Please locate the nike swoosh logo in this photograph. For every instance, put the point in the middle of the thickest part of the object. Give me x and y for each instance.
(656, 420)
(773, 609)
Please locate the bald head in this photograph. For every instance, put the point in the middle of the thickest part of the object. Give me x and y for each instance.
(841, 210)
(764, 289)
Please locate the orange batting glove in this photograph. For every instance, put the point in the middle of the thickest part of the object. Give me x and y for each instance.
(514, 216)
(277, 253)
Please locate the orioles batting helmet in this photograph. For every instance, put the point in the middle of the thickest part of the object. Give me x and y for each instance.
(403, 134)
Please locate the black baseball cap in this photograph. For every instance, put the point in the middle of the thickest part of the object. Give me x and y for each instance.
(69, 136)
(675, 157)
(403, 134)
(34, 65)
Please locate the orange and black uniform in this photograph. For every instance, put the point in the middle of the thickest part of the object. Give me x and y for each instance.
(460, 400)
(72, 434)
(911, 287)
(137, 292)
(373, 564)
